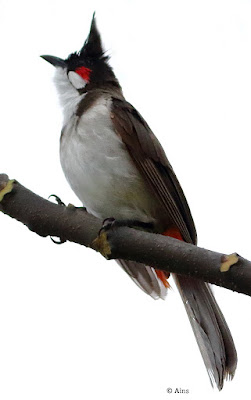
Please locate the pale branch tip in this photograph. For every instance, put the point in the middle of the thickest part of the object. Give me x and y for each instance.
(120, 242)
(6, 185)
(227, 261)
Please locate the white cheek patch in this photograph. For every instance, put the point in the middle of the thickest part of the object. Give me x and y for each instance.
(69, 97)
(76, 80)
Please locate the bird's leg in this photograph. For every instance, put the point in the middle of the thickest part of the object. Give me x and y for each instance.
(61, 203)
(109, 223)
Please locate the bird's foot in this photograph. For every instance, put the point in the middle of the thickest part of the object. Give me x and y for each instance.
(101, 243)
(58, 200)
(61, 203)
(70, 205)
(111, 222)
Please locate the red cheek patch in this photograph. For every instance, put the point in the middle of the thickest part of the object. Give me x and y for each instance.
(84, 73)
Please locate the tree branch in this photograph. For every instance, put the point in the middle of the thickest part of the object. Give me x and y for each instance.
(76, 225)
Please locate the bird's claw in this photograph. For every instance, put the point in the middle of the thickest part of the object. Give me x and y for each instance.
(58, 200)
(61, 203)
(60, 241)
(108, 223)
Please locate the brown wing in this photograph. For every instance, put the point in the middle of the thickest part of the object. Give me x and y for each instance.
(149, 156)
(209, 326)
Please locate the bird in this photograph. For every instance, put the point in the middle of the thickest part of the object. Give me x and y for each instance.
(118, 169)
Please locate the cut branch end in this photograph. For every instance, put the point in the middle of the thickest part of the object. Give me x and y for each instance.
(6, 186)
(228, 261)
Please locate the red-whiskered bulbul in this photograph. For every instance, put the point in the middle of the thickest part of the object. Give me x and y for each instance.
(117, 168)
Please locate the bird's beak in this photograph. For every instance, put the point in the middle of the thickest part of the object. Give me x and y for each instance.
(56, 61)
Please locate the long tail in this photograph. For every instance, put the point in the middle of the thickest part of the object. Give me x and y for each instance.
(210, 328)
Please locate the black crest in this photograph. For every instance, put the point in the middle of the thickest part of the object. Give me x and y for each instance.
(93, 44)
(92, 56)
(92, 50)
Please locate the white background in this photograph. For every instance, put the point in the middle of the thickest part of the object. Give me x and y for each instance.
(73, 326)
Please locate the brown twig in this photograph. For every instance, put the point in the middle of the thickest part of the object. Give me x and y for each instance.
(76, 225)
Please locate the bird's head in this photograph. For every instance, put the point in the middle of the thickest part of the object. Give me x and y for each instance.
(85, 70)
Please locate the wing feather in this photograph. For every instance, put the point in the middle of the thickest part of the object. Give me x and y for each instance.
(153, 164)
(210, 328)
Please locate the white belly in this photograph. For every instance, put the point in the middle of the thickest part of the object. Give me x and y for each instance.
(99, 169)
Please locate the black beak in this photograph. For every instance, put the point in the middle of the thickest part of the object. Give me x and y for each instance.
(56, 61)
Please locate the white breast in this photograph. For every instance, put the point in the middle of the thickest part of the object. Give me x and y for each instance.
(99, 169)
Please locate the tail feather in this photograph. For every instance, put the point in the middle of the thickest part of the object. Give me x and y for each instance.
(145, 277)
(210, 328)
